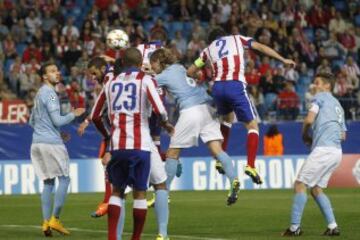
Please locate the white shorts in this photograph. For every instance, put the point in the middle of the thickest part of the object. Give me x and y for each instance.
(318, 167)
(198, 121)
(50, 160)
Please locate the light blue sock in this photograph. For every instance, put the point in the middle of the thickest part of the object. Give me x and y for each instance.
(121, 223)
(46, 198)
(227, 165)
(162, 210)
(298, 206)
(60, 195)
(171, 168)
(325, 206)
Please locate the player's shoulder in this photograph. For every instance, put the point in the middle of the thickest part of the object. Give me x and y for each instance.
(47, 92)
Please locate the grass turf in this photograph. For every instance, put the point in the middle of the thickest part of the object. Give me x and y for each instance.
(262, 214)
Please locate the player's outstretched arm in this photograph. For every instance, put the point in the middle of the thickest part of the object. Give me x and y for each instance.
(271, 53)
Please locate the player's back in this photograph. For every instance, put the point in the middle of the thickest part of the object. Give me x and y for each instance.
(128, 98)
(45, 131)
(184, 89)
(147, 49)
(226, 55)
(329, 123)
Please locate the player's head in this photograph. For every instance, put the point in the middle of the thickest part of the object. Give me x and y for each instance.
(50, 73)
(160, 59)
(158, 35)
(132, 58)
(97, 68)
(215, 34)
(324, 82)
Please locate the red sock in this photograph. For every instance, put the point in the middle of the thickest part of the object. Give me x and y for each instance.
(108, 189)
(252, 146)
(225, 131)
(114, 210)
(139, 215)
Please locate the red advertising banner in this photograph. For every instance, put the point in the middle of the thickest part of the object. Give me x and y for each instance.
(13, 111)
(348, 173)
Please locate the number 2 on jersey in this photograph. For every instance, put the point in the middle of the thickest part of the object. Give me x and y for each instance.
(130, 102)
(221, 43)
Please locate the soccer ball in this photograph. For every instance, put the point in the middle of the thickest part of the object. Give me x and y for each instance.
(117, 39)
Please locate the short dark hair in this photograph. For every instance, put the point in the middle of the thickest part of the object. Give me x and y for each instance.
(327, 77)
(215, 34)
(97, 62)
(132, 57)
(43, 68)
(158, 35)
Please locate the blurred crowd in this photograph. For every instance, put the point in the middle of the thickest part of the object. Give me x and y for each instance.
(319, 35)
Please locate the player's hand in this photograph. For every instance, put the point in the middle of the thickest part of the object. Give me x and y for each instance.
(82, 128)
(65, 136)
(106, 158)
(289, 62)
(168, 127)
(78, 111)
(307, 139)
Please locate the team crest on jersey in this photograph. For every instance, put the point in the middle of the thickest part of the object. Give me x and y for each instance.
(52, 98)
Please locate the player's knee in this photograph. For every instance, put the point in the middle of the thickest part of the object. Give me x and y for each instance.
(228, 118)
(215, 147)
(299, 187)
(173, 153)
(252, 125)
(160, 186)
(316, 191)
(64, 179)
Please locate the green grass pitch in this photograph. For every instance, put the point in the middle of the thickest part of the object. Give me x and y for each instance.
(262, 214)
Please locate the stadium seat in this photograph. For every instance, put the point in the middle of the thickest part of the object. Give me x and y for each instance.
(148, 25)
(340, 5)
(338, 63)
(156, 12)
(357, 20)
(20, 48)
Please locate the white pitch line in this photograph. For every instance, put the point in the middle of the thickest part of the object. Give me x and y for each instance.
(103, 231)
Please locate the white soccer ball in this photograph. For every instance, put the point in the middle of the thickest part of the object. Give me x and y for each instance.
(117, 39)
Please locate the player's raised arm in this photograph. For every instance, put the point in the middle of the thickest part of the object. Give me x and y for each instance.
(271, 53)
(194, 70)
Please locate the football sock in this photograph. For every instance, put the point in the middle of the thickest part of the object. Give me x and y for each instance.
(114, 211)
(171, 168)
(225, 128)
(252, 147)
(298, 206)
(46, 198)
(108, 189)
(162, 210)
(325, 206)
(227, 165)
(60, 195)
(139, 215)
(121, 223)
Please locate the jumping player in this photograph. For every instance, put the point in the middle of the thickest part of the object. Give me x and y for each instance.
(226, 55)
(130, 97)
(326, 117)
(196, 117)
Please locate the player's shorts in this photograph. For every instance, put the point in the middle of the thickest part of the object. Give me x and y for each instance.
(194, 122)
(157, 169)
(319, 166)
(232, 96)
(129, 168)
(49, 160)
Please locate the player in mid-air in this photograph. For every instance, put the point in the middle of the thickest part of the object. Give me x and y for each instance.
(196, 117)
(326, 117)
(130, 97)
(226, 56)
(48, 152)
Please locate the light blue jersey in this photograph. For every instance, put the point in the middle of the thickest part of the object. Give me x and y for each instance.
(46, 118)
(184, 89)
(329, 123)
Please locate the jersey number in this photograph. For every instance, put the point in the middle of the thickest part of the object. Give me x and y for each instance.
(130, 102)
(221, 43)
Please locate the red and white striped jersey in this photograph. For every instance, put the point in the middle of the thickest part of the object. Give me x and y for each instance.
(147, 49)
(99, 114)
(130, 98)
(226, 56)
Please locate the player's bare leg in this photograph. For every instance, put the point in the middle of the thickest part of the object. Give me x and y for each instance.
(229, 169)
(114, 213)
(139, 213)
(252, 147)
(325, 206)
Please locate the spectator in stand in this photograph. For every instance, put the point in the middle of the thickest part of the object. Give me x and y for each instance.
(347, 39)
(4, 30)
(309, 95)
(317, 16)
(48, 22)
(270, 85)
(271, 23)
(32, 22)
(28, 79)
(196, 44)
(324, 67)
(301, 16)
(72, 54)
(206, 10)
(273, 142)
(32, 51)
(12, 18)
(291, 74)
(352, 70)
(180, 42)
(70, 29)
(252, 75)
(198, 30)
(333, 49)
(158, 26)
(47, 52)
(14, 76)
(76, 100)
(19, 31)
(288, 102)
(224, 11)
(257, 98)
(9, 47)
(265, 65)
(337, 24)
